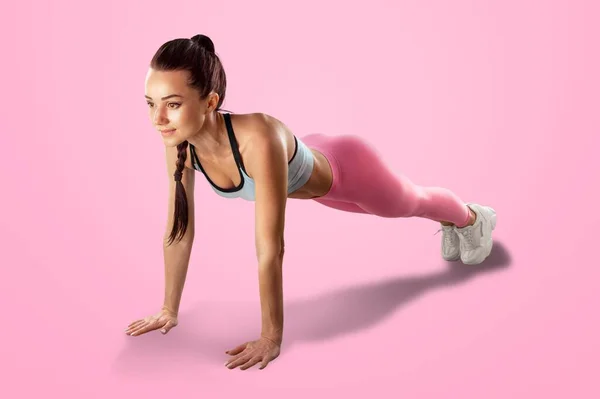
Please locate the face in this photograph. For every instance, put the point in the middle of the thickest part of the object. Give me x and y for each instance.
(173, 105)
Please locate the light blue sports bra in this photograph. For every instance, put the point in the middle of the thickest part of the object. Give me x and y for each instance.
(299, 168)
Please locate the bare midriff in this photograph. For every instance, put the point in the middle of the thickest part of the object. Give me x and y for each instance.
(319, 182)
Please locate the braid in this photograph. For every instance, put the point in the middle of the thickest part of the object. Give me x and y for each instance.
(181, 206)
(181, 157)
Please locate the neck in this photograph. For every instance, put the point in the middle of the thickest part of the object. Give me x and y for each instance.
(213, 134)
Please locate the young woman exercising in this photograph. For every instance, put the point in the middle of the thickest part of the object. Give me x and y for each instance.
(257, 158)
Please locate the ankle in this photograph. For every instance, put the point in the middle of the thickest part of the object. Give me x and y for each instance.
(472, 218)
(471, 222)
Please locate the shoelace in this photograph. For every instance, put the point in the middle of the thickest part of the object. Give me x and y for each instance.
(468, 239)
(448, 238)
(442, 229)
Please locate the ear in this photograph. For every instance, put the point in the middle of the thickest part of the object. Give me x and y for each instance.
(213, 100)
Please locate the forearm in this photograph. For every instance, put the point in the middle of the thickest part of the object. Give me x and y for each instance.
(176, 258)
(271, 297)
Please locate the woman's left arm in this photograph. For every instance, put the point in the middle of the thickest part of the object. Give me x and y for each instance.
(271, 178)
(268, 166)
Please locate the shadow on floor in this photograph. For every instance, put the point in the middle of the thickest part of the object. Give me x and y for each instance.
(327, 316)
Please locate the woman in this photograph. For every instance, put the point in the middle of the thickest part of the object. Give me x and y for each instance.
(257, 158)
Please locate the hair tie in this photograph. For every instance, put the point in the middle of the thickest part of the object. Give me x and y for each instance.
(178, 175)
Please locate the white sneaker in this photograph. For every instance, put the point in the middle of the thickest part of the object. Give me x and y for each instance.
(476, 240)
(450, 243)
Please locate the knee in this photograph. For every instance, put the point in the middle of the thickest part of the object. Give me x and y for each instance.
(395, 209)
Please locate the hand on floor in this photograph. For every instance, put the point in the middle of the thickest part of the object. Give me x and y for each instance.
(165, 320)
(247, 355)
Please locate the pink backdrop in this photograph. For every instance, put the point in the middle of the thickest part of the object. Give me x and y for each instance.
(497, 100)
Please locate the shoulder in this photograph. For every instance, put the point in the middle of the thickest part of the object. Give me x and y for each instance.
(257, 130)
(264, 140)
(255, 125)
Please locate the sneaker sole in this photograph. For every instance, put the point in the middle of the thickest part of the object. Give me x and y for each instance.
(452, 258)
(457, 257)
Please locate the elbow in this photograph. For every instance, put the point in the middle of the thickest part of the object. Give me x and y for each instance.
(268, 254)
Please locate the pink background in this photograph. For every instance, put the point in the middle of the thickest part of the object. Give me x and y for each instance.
(496, 100)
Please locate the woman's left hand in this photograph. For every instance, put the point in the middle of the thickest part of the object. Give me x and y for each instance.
(247, 355)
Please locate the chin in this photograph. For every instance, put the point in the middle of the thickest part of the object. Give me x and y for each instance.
(172, 141)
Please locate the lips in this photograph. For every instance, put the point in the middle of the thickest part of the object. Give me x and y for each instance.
(167, 132)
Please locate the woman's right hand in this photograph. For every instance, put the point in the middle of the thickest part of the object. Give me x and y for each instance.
(165, 320)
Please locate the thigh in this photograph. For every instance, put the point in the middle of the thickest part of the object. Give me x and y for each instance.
(365, 177)
(366, 180)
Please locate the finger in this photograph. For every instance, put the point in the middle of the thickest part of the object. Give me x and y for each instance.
(251, 363)
(134, 325)
(144, 329)
(240, 360)
(265, 361)
(234, 359)
(167, 327)
(237, 349)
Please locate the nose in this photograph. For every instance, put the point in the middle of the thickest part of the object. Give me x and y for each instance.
(159, 116)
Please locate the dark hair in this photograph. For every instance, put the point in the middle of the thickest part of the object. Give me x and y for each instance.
(196, 55)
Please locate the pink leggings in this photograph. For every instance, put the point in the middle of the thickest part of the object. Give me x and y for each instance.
(362, 183)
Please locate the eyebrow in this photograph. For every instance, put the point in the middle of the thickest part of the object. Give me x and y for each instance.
(165, 97)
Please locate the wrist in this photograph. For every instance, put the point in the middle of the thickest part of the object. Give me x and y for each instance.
(273, 336)
(169, 309)
(275, 341)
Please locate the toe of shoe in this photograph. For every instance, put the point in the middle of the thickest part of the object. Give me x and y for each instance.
(471, 257)
(451, 255)
(477, 255)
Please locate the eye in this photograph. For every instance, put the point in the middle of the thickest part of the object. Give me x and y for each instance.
(169, 104)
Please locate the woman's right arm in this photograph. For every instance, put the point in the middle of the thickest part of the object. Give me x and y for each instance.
(177, 255)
